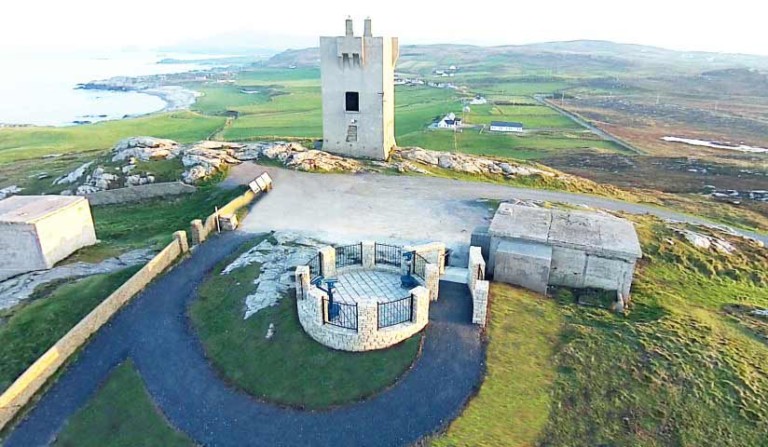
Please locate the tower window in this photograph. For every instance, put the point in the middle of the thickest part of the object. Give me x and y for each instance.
(352, 101)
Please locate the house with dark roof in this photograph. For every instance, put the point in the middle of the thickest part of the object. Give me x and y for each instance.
(506, 126)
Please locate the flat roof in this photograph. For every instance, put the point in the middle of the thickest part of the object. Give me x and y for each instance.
(582, 230)
(29, 209)
(506, 124)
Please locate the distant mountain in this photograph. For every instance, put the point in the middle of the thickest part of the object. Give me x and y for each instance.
(578, 57)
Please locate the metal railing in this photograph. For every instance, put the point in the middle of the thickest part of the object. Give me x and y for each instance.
(388, 254)
(480, 274)
(395, 312)
(340, 314)
(349, 255)
(314, 268)
(419, 266)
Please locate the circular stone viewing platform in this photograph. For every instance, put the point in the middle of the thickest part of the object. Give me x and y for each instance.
(367, 296)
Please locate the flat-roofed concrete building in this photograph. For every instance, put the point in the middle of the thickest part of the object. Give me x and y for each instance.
(358, 92)
(538, 247)
(36, 232)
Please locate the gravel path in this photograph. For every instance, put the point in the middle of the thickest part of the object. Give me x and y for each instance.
(403, 209)
(154, 331)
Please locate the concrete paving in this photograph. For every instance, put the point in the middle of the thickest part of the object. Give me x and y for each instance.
(374, 286)
(345, 208)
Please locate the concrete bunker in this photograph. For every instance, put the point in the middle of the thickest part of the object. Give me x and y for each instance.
(36, 232)
(536, 248)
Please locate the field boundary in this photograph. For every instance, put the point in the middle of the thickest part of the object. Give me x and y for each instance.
(583, 122)
(31, 381)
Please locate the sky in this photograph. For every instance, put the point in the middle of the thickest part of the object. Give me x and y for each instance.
(739, 26)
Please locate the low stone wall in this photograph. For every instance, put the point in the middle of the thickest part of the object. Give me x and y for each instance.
(138, 193)
(478, 286)
(201, 229)
(368, 336)
(35, 377)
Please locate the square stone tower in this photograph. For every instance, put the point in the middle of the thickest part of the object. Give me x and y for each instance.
(358, 93)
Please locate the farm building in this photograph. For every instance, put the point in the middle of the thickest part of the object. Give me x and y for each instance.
(449, 121)
(536, 247)
(36, 232)
(506, 126)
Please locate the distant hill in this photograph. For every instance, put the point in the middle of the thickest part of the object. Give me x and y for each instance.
(578, 57)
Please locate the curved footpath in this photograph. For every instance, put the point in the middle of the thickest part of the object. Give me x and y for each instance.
(154, 331)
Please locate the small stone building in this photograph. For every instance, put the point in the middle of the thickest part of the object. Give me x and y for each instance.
(36, 232)
(536, 248)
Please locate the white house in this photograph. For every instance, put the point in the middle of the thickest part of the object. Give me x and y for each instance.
(449, 121)
(478, 100)
(506, 126)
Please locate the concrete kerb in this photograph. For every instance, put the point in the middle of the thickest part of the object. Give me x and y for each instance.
(34, 379)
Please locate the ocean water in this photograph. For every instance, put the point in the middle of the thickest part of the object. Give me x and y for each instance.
(40, 89)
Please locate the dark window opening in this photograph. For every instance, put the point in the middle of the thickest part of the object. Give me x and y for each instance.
(353, 102)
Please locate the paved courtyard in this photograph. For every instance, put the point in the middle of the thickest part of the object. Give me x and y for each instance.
(369, 285)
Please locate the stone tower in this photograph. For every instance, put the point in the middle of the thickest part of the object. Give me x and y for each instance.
(358, 93)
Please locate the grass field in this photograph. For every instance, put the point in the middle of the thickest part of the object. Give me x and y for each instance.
(34, 142)
(121, 414)
(290, 368)
(30, 328)
(677, 370)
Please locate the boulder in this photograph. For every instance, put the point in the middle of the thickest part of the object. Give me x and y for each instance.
(73, 176)
(145, 149)
(9, 191)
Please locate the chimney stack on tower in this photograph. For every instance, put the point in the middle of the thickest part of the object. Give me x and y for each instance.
(367, 30)
(350, 31)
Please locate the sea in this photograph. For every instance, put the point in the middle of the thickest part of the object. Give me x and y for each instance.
(41, 89)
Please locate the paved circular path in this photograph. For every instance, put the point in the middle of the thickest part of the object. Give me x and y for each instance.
(154, 331)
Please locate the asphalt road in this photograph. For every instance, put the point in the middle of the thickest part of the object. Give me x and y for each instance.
(154, 331)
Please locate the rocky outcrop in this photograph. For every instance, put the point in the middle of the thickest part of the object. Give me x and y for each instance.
(296, 156)
(467, 164)
(9, 191)
(73, 176)
(145, 149)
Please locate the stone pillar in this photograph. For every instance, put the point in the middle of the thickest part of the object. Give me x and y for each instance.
(432, 280)
(369, 254)
(476, 264)
(328, 261)
(480, 302)
(302, 282)
(420, 305)
(181, 238)
(197, 232)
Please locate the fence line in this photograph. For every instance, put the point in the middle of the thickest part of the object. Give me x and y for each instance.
(340, 314)
(388, 254)
(349, 255)
(419, 266)
(395, 312)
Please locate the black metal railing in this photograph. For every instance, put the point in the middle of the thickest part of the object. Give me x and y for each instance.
(349, 255)
(340, 314)
(388, 254)
(480, 274)
(314, 268)
(395, 312)
(419, 266)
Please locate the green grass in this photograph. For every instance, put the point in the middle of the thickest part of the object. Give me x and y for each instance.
(120, 414)
(532, 117)
(522, 147)
(33, 142)
(35, 325)
(290, 368)
(152, 222)
(513, 404)
(676, 370)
